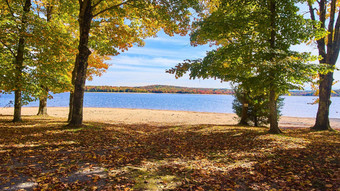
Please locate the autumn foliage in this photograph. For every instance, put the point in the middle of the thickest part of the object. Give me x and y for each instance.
(43, 154)
(158, 89)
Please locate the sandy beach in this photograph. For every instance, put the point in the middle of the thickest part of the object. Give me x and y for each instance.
(161, 117)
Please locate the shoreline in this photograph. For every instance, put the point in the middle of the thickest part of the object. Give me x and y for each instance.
(162, 117)
(331, 118)
(285, 95)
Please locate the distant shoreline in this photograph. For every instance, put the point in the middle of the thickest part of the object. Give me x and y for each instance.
(191, 93)
(159, 89)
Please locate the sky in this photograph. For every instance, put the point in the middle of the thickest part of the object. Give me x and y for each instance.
(140, 66)
(146, 65)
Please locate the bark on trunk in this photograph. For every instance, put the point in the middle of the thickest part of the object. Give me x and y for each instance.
(322, 117)
(72, 93)
(273, 119)
(19, 61)
(17, 106)
(244, 115)
(42, 106)
(43, 103)
(85, 18)
(70, 107)
(42, 111)
(256, 121)
(329, 50)
(255, 117)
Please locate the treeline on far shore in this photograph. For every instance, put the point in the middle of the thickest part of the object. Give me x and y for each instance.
(184, 90)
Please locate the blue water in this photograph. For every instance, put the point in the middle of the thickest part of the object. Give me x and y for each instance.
(296, 106)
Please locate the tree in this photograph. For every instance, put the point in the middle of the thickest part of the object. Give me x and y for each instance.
(241, 104)
(253, 39)
(14, 32)
(49, 50)
(328, 48)
(117, 25)
(96, 67)
(55, 51)
(61, 80)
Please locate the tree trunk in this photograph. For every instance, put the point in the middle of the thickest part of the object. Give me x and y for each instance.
(85, 18)
(325, 89)
(273, 119)
(43, 99)
(43, 103)
(42, 106)
(72, 92)
(19, 61)
(244, 115)
(329, 50)
(17, 106)
(255, 117)
(70, 107)
(256, 121)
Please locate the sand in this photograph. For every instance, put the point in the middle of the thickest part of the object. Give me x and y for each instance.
(161, 117)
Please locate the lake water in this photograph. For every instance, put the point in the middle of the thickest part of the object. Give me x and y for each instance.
(296, 106)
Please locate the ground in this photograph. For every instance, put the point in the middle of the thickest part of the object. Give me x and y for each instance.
(163, 117)
(45, 154)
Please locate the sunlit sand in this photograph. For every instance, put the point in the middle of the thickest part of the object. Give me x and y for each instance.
(162, 117)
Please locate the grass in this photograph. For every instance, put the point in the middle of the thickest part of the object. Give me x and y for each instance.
(44, 154)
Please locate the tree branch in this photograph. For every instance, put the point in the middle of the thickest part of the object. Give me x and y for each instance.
(8, 48)
(96, 4)
(331, 25)
(166, 2)
(337, 30)
(112, 7)
(336, 41)
(320, 42)
(322, 16)
(10, 9)
(311, 11)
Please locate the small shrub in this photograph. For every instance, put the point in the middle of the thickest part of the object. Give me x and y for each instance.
(257, 106)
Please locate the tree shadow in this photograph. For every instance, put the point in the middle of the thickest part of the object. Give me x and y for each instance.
(143, 157)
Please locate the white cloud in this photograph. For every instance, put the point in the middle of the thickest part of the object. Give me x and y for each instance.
(169, 40)
(313, 49)
(181, 53)
(151, 52)
(151, 77)
(120, 61)
(146, 65)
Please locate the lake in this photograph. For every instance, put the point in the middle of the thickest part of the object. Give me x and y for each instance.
(295, 106)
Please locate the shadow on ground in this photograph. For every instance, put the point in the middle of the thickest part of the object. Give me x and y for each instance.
(45, 154)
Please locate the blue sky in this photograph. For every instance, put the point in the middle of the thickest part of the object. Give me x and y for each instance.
(140, 66)
(146, 65)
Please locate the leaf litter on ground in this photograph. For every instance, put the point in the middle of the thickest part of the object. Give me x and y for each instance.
(45, 154)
